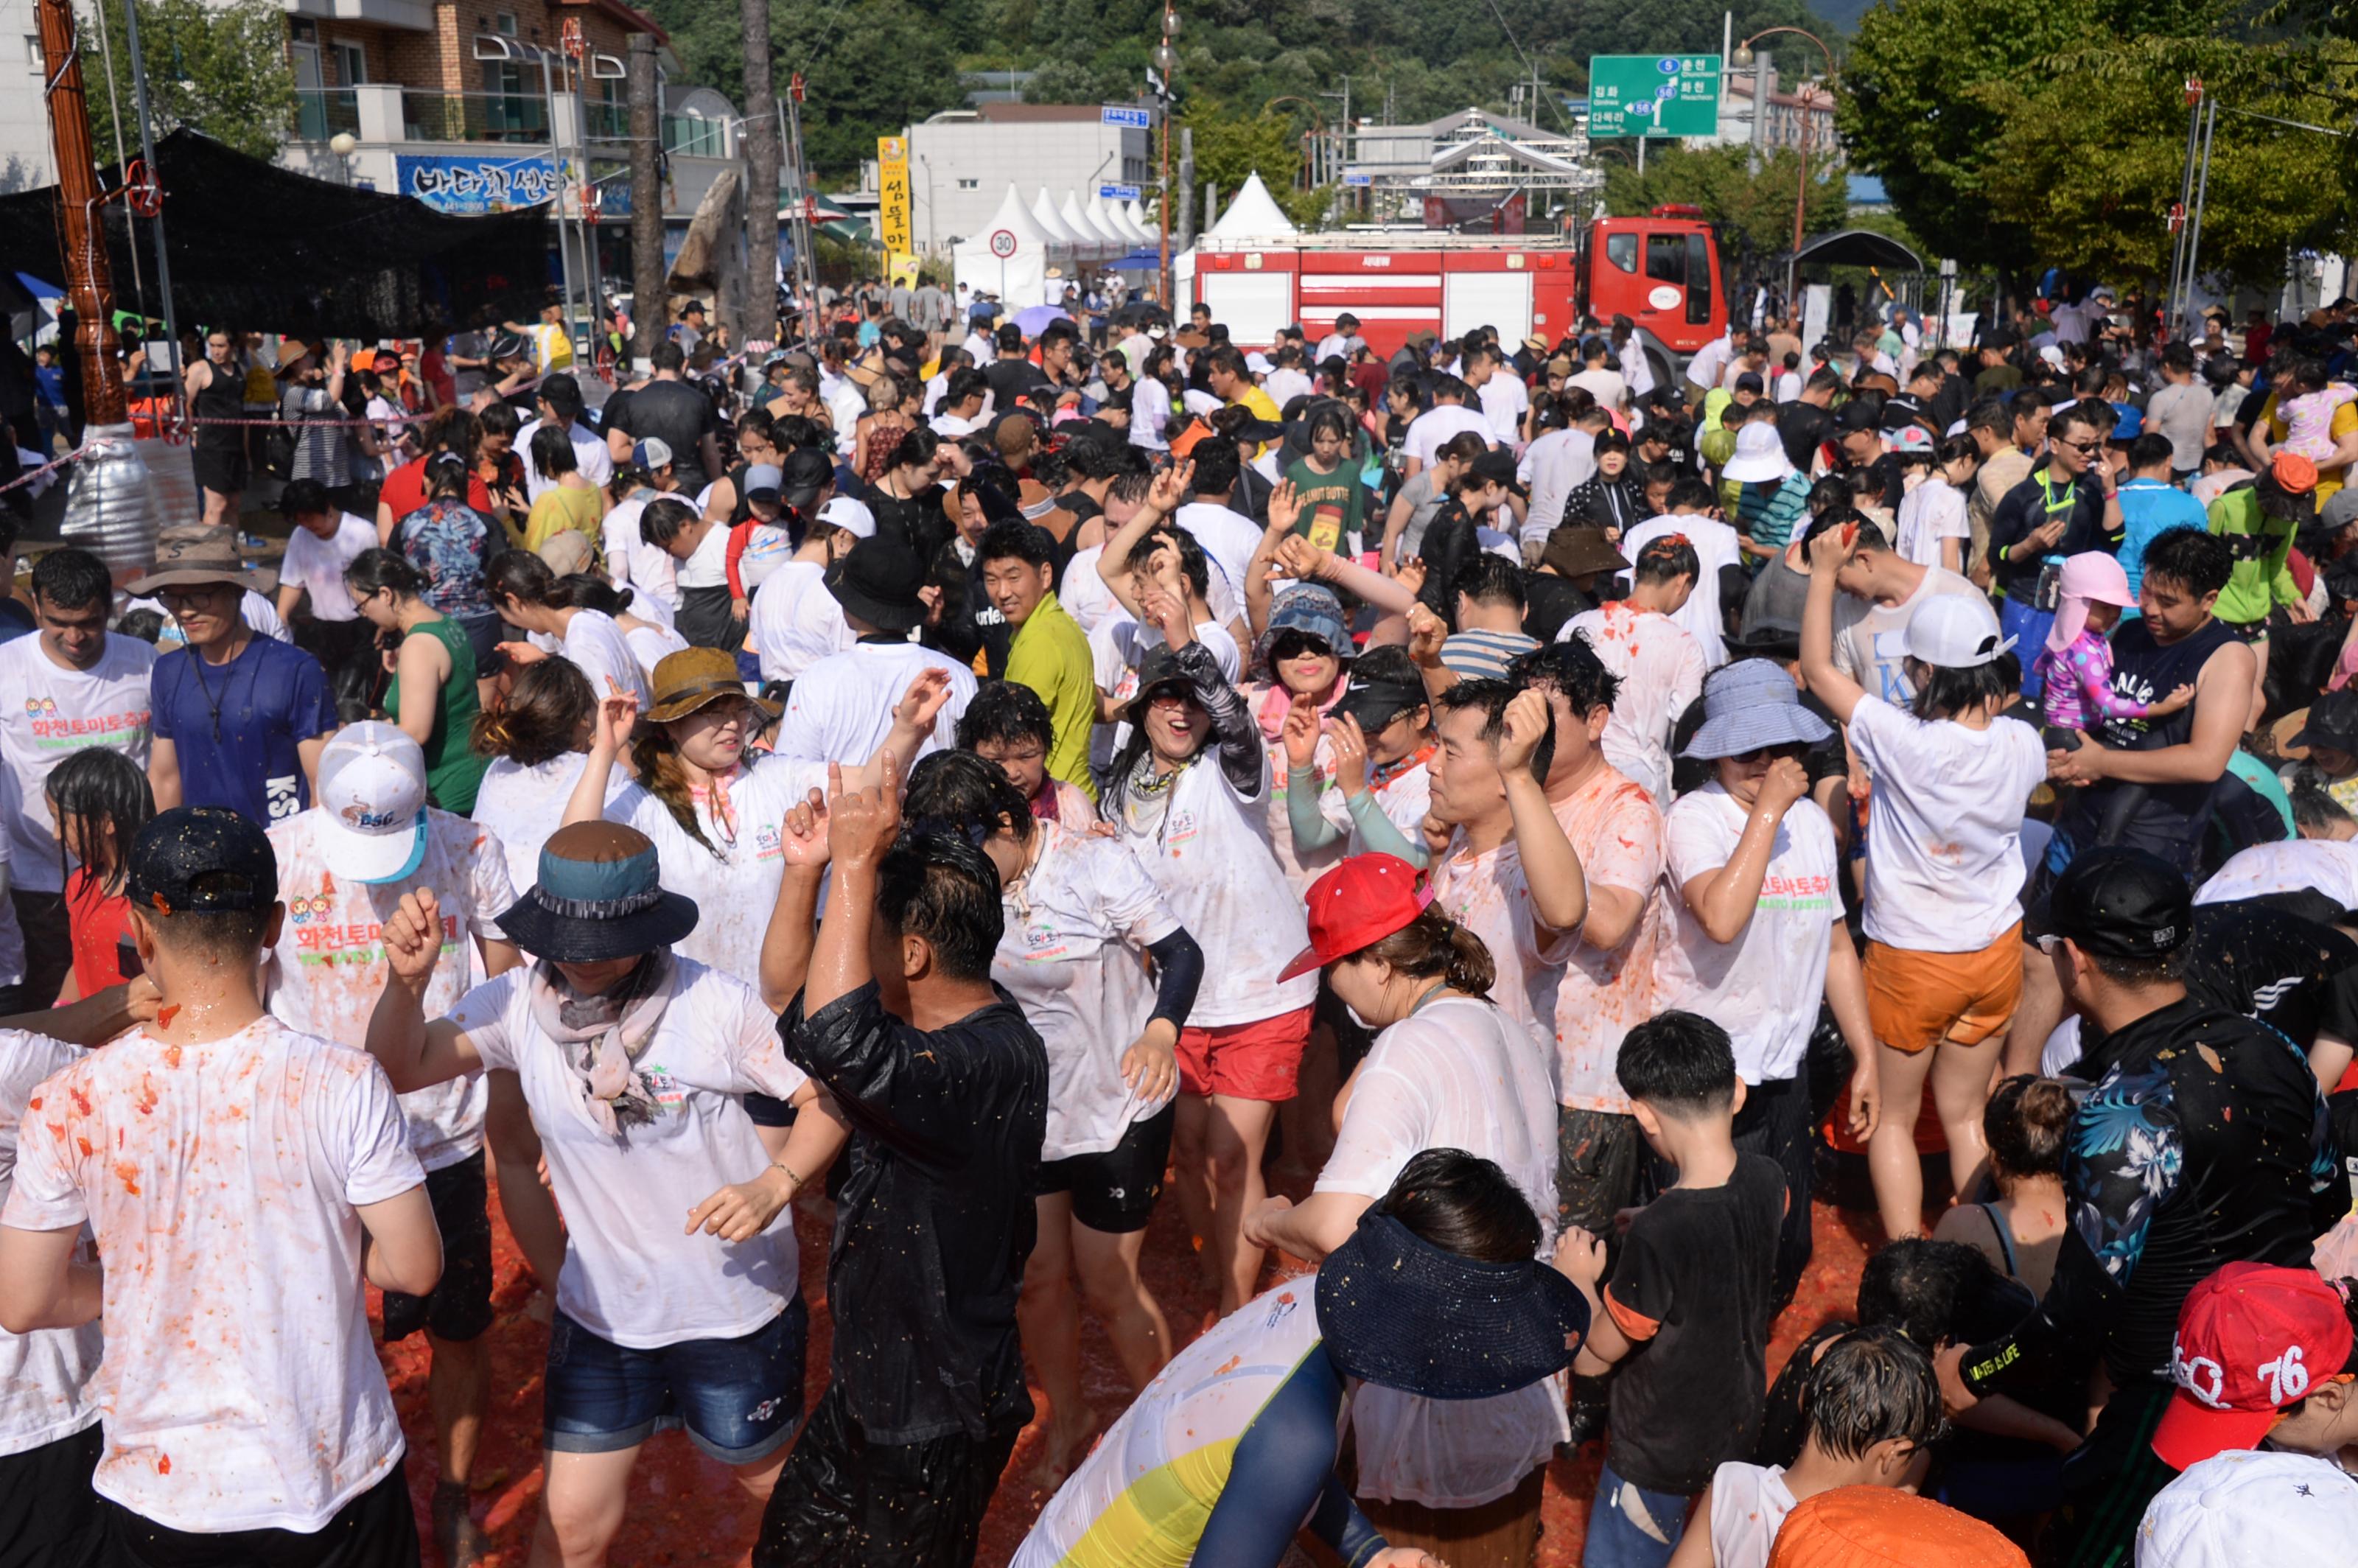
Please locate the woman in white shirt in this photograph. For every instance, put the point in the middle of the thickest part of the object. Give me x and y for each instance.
(528, 594)
(1186, 794)
(1083, 920)
(1149, 403)
(1943, 919)
(1449, 1070)
(650, 642)
(536, 735)
(1934, 530)
(635, 1061)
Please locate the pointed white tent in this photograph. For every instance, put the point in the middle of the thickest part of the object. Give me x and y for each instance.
(1116, 242)
(1044, 212)
(1254, 214)
(1092, 243)
(1119, 216)
(1138, 216)
(1008, 256)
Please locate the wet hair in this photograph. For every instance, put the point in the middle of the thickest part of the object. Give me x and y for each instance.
(98, 784)
(2028, 1125)
(72, 578)
(1014, 538)
(916, 449)
(376, 569)
(552, 451)
(228, 937)
(1453, 1200)
(1492, 579)
(1194, 565)
(1216, 463)
(1666, 559)
(144, 624)
(589, 591)
(499, 419)
(958, 794)
(445, 477)
(1433, 945)
(1944, 693)
(1491, 698)
(661, 521)
(2313, 810)
(1573, 673)
(1681, 1064)
(1872, 1385)
(1003, 712)
(1921, 1287)
(942, 888)
(547, 704)
(304, 497)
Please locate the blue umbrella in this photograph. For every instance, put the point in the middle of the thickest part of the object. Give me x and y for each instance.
(1033, 319)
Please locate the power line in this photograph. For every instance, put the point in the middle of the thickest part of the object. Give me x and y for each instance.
(1529, 64)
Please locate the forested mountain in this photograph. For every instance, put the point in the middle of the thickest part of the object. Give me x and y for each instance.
(875, 65)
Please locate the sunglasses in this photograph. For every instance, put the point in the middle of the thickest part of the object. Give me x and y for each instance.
(2086, 448)
(1783, 748)
(1299, 645)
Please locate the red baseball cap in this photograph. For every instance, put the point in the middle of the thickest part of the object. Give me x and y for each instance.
(1360, 902)
(2251, 1340)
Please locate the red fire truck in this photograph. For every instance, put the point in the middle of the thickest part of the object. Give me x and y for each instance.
(1662, 271)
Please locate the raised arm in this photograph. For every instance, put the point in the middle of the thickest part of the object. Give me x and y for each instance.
(1301, 559)
(616, 716)
(2223, 706)
(786, 945)
(1284, 507)
(415, 1054)
(1840, 694)
(1162, 499)
(1552, 868)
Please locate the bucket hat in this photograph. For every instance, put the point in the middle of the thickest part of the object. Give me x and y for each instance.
(878, 580)
(1759, 456)
(599, 896)
(1308, 609)
(696, 678)
(1749, 705)
(187, 556)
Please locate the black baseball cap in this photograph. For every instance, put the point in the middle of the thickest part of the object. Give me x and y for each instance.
(804, 473)
(2333, 721)
(1376, 699)
(2122, 903)
(202, 859)
(1750, 382)
(1497, 464)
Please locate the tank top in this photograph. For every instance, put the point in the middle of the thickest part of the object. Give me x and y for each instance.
(2165, 819)
(453, 771)
(222, 398)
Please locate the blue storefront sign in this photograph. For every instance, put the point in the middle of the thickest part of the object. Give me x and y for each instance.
(471, 185)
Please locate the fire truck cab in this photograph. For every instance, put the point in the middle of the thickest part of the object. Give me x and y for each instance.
(1662, 271)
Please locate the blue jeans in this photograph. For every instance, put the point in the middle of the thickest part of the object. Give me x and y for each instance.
(1630, 1527)
(2029, 628)
(739, 1399)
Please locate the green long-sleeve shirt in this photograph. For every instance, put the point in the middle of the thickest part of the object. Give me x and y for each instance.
(2261, 578)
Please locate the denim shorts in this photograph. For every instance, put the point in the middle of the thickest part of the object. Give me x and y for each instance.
(738, 1398)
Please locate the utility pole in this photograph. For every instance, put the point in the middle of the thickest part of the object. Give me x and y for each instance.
(89, 278)
(647, 298)
(1166, 62)
(762, 170)
(805, 261)
(147, 155)
(1186, 191)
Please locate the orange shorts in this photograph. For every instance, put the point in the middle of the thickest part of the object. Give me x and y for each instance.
(1261, 1060)
(1915, 1000)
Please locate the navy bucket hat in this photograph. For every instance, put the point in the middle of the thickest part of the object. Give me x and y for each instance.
(599, 896)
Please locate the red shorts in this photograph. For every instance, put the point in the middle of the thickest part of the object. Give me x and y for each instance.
(1259, 1060)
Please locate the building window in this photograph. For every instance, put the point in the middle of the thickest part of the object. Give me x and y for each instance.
(351, 64)
(504, 22)
(33, 52)
(969, 184)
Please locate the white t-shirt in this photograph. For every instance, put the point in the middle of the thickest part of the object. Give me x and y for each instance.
(240, 1388)
(1230, 539)
(1284, 386)
(317, 565)
(1429, 429)
(630, 1275)
(1607, 386)
(736, 890)
(46, 714)
(1710, 361)
(1716, 546)
(1457, 1073)
(1553, 466)
(589, 455)
(521, 806)
(1661, 670)
(651, 643)
(841, 710)
(1933, 510)
(1764, 987)
(1140, 1477)
(1076, 926)
(1871, 639)
(46, 1391)
(1748, 1505)
(1150, 415)
(1505, 401)
(2321, 865)
(1210, 853)
(796, 621)
(1944, 859)
(595, 644)
(328, 968)
(707, 565)
(956, 426)
(1490, 896)
(647, 570)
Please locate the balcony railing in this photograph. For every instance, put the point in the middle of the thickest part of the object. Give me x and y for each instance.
(602, 121)
(324, 111)
(473, 117)
(694, 137)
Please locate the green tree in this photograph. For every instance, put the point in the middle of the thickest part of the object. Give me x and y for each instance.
(1754, 212)
(219, 69)
(1229, 147)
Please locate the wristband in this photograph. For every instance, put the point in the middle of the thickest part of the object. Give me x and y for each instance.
(794, 1179)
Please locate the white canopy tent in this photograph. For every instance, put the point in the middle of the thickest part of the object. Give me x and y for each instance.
(1092, 241)
(1044, 212)
(1101, 217)
(1138, 215)
(1007, 257)
(1117, 214)
(1254, 214)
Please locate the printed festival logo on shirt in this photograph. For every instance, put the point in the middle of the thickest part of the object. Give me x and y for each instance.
(51, 733)
(323, 937)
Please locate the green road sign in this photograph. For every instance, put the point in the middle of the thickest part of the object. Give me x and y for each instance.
(1653, 96)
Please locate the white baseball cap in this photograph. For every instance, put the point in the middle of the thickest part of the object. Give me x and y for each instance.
(372, 803)
(1258, 362)
(850, 516)
(1955, 631)
(2249, 1505)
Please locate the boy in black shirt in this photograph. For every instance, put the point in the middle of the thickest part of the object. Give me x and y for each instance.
(1686, 1311)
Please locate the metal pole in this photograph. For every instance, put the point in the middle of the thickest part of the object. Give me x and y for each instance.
(1759, 109)
(557, 171)
(2201, 193)
(806, 262)
(1800, 192)
(2176, 318)
(1642, 155)
(115, 111)
(586, 233)
(147, 154)
(89, 282)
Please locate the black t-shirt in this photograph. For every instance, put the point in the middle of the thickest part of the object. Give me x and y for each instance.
(1548, 602)
(677, 414)
(1010, 380)
(1802, 427)
(1693, 1290)
(2297, 976)
(2167, 819)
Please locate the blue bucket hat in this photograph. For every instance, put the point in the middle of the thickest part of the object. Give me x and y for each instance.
(1750, 704)
(1308, 609)
(599, 895)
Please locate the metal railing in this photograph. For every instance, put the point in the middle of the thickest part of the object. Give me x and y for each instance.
(602, 121)
(473, 116)
(324, 111)
(694, 137)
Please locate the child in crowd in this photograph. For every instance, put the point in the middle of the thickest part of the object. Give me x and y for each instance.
(1379, 739)
(2077, 663)
(100, 800)
(1685, 1311)
(2308, 420)
(1007, 726)
(1874, 1408)
(2027, 1123)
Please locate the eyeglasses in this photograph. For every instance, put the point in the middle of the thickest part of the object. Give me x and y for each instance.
(2050, 944)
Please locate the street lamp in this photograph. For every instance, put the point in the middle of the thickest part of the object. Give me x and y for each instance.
(1743, 58)
(342, 144)
(1166, 60)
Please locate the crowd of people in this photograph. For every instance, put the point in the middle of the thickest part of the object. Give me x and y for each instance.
(1548, 810)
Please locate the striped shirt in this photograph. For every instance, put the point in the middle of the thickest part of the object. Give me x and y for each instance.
(1484, 656)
